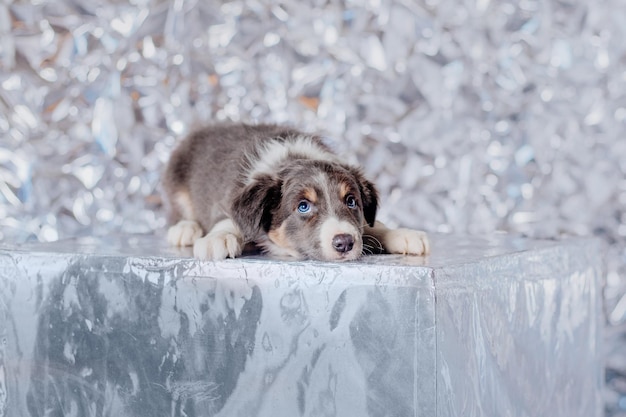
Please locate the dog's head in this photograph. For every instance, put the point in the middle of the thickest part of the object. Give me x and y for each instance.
(310, 209)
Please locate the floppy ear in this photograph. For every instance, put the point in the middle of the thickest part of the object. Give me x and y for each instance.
(369, 197)
(252, 208)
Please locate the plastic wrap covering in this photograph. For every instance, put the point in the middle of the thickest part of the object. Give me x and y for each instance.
(125, 327)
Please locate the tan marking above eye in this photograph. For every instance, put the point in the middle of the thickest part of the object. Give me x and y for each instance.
(344, 190)
(310, 194)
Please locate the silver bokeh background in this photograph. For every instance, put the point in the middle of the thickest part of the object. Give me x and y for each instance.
(472, 116)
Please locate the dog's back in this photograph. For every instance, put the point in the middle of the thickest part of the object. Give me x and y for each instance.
(208, 167)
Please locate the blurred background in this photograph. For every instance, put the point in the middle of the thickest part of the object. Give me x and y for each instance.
(473, 116)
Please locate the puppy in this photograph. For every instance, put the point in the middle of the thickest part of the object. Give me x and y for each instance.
(279, 189)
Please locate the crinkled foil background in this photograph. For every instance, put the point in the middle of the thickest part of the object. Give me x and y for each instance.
(472, 116)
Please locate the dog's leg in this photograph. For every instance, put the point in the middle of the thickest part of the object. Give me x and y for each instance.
(223, 241)
(403, 241)
(184, 233)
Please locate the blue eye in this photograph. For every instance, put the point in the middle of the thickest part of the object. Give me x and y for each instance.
(304, 206)
(351, 202)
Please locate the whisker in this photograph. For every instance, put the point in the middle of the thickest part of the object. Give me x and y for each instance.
(375, 240)
(379, 248)
(367, 251)
(370, 246)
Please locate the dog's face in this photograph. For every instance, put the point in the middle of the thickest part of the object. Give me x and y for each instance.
(311, 209)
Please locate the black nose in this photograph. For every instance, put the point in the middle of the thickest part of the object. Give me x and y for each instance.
(343, 243)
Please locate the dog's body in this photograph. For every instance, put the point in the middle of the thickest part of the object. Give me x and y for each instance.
(278, 188)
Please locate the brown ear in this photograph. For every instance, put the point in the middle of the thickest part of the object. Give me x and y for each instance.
(252, 208)
(369, 197)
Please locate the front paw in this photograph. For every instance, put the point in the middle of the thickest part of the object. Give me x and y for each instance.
(406, 242)
(184, 233)
(218, 245)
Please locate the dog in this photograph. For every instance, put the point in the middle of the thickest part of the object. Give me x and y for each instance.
(276, 188)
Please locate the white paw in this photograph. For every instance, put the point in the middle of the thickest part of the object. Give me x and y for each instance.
(218, 245)
(184, 233)
(406, 242)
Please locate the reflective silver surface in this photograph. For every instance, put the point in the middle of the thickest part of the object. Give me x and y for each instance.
(124, 326)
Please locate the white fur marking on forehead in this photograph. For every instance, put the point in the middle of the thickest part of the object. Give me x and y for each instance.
(274, 152)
